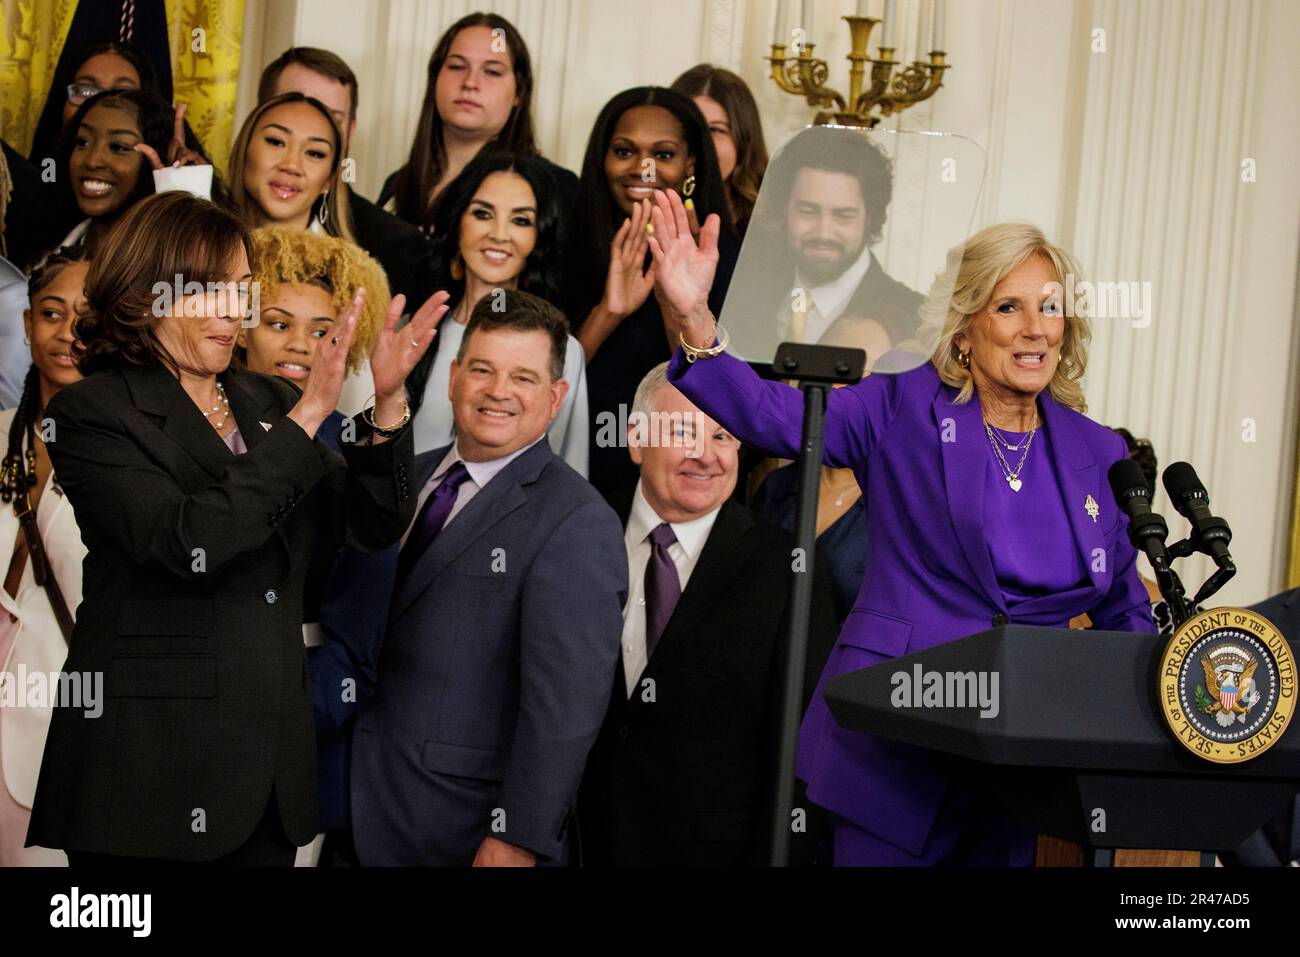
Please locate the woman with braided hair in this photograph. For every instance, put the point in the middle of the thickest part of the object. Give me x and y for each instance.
(42, 586)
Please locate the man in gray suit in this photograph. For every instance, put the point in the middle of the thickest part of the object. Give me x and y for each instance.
(504, 629)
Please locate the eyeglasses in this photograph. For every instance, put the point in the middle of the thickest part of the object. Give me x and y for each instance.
(79, 93)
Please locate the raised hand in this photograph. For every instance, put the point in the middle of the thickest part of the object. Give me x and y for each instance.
(398, 350)
(684, 267)
(628, 282)
(178, 154)
(320, 393)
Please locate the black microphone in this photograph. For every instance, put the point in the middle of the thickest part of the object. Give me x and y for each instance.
(1147, 529)
(1210, 534)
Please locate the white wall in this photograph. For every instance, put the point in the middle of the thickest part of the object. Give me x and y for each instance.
(1130, 157)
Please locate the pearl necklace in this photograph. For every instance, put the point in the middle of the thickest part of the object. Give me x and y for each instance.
(222, 406)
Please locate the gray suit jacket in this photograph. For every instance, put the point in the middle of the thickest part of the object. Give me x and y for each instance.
(495, 673)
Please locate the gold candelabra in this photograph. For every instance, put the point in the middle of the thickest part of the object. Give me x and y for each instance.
(805, 75)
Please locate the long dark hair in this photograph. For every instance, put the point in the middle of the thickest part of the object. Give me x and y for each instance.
(49, 127)
(411, 187)
(18, 469)
(597, 217)
(824, 148)
(159, 238)
(734, 96)
(155, 119)
(542, 272)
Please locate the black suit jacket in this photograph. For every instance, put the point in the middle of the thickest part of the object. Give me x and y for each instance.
(879, 296)
(403, 251)
(686, 779)
(192, 611)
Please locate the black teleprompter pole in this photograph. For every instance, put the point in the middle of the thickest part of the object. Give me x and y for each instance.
(816, 368)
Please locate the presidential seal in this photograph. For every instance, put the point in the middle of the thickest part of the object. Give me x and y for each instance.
(1227, 685)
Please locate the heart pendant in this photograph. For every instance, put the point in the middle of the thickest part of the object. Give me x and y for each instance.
(1015, 484)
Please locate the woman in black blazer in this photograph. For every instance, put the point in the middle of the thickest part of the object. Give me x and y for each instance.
(201, 486)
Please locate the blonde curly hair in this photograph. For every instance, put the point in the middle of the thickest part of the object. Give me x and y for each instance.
(284, 256)
(966, 288)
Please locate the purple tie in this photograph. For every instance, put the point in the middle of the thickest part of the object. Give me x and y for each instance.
(432, 517)
(662, 586)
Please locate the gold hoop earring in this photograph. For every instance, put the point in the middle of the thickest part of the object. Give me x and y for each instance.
(688, 187)
(963, 359)
(457, 268)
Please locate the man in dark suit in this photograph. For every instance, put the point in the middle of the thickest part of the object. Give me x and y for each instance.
(827, 195)
(503, 632)
(399, 247)
(683, 770)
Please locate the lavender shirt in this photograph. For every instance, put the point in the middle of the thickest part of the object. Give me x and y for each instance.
(235, 442)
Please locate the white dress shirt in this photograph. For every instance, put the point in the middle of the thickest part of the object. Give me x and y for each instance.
(684, 552)
(827, 302)
(480, 473)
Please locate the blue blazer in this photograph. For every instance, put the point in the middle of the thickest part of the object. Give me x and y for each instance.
(495, 672)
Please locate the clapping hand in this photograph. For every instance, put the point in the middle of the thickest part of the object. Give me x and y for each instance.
(628, 282)
(320, 393)
(398, 350)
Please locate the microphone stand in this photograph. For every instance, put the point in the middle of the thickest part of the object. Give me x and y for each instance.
(1171, 589)
(815, 368)
(1221, 576)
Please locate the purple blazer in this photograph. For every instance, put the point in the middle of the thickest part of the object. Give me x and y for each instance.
(920, 460)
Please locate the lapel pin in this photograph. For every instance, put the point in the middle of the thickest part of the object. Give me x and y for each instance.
(265, 425)
(1091, 507)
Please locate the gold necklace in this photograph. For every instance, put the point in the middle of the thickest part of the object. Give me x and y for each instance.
(1011, 475)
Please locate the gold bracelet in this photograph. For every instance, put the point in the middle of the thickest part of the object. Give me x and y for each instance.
(692, 353)
(386, 431)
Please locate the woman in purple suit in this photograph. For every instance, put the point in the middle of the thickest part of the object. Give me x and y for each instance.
(987, 503)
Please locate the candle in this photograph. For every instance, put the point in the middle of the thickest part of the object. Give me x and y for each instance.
(940, 8)
(806, 22)
(862, 8)
(923, 31)
(891, 24)
(782, 22)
